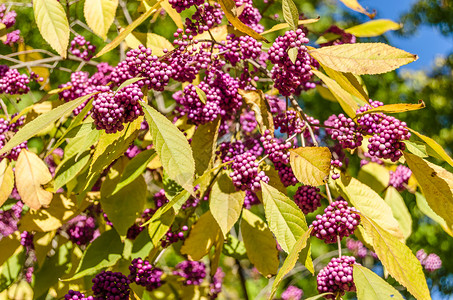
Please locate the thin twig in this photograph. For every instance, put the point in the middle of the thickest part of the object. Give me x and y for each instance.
(267, 155)
(329, 195)
(242, 279)
(304, 117)
(30, 51)
(125, 12)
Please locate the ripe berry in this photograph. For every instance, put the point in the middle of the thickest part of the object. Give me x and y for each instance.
(110, 285)
(193, 271)
(307, 198)
(144, 274)
(336, 277)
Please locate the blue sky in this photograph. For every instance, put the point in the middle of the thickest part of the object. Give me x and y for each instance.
(427, 43)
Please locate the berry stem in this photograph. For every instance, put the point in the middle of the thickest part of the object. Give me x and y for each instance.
(302, 115)
(339, 246)
(329, 195)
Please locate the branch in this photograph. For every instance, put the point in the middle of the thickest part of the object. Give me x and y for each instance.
(304, 117)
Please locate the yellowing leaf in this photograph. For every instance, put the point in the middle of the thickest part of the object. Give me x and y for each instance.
(398, 260)
(435, 146)
(257, 102)
(396, 108)
(120, 37)
(172, 13)
(99, 15)
(225, 203)
(375, 176)
(286, 25)
(228, 6)
(52, 23)
(219, 33)
(204, 143)
(31, 174)
(347, 102)
(6, 180)
(172, 147)
(157, 43)
(290, 13)
(41, 71)
(362, 58)
(354, 5)
(285, 219)
(372, 287)
(424, 208)
(310, 165)
(369, 204)
(259, 243)
(203, 235)
(290, 261)
(373, 28)
(160, 226)
(436, 184)
(399, 209)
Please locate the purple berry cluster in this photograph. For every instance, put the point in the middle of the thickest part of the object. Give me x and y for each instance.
(144, 274)
(344, 130)
(250, 199)
(75, 295)
(26, 240)
(228, 86)
(12, 37)
(179, 5)
(110, 285)
(112, 110)
(358, 249)
(431, 262)
(216, 283)
(8, 128)
(307, 198)
(240, 48)
(343, 37)
(9, 219)
(7, 18)
(400, 177)
(250, 15)
(292, 293)
(286, 174)
(276, 149)
(193, 271)
(12, 82)
(248, 121)
(336, 277)
(288, 122)
(205, 17)
(245, 173)
(289, 76)
(338, 219)
(82, 48)
(172, 236)
(81, 229)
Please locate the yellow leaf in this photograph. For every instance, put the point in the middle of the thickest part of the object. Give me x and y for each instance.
(286, 25)
(61, 210)
(370, 286)
(398, 260)
(219, 33)
(120, 37)
(204, 143)
(395, 108)
(203, 235)
(31, 174)
(99, 15)
(375, 176)
(435, 146)
(228, 6)
(157, 43)
(399, 209)
(325, 93)
(41, 71)
(311, 165)
(52, 24)
(369, 204)
(172, 13)
(424, 208)
(362, 58)
(135, 39)
(354, 5)
(257, 102)
(225, 203)
(6, 180)
(345, 99)
(260, 244)
(373, 28)
(436, 184)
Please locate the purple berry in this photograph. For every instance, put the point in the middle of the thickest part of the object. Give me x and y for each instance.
(110, 285)
(193, 271)
(400, 177)
(82, 48)
(336, 277)
(81, 229)
(245, 173)
(307, 198)
(292, 293)
(144, 274)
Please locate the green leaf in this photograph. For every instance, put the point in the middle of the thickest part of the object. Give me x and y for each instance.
(398, 260)
(431, 143)
(375, 176)
(135, 168)
(69, 169)
(285, 219)
(318, 296)
(52, 23)
(81, 143)
(11, 269)
(42, 122)
(229, 7)
(373, 28)
(172, 147)
(123, 34)
(225, 203)
(437, 185)
(99, 15)
(234, 248)
(9, 245)
(290, 261)
(103, 252)
(395, 108)
(424, 208)
(6, 180)
(311, 165)
(204, 142)
(142, 245)
(286, 25)
(399, 209)
(347, 102)
(362, 58)
(203, 235)
(290, 14)
(372, 287)
(369, 203)
(160, 226)
(292, 52)
(259, 243)
(124, 205)
(417, 148)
